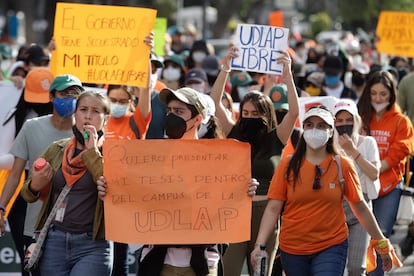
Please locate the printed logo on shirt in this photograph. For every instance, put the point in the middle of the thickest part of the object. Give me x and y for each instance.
(332, 185)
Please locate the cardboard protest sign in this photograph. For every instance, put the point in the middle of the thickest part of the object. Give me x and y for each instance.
(177, 191)
(396, 33)
(160, 28)
(259, 47)
(102, 44)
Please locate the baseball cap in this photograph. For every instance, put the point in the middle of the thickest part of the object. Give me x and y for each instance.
(38, 82)
(211, 65)
(333, 65)
(189, 96)
(5, 50)
(196, 74)
(322, 113)
(175, 59)
(316, 78)
(62, 82)
(35, 54)
(242, 79)
(347, 105)
(156, 61)
(361, 67)
(278, 95)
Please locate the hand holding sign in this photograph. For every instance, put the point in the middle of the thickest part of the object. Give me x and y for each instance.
(260, 46)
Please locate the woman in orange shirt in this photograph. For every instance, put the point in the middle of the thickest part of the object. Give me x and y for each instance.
(314, 236)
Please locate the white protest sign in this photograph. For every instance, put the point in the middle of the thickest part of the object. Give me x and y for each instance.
(259, 47)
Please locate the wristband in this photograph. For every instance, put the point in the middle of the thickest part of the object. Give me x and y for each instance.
(2, 208)
(358, 155)
(224, 70)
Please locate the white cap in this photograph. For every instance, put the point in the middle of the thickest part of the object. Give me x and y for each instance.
(321, 113)
(347, 105)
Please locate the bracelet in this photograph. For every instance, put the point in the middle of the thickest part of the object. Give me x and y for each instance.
(2, 208)
(224, 70)
(358, 155)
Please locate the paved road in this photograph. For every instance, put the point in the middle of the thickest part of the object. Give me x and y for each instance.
(408, 264)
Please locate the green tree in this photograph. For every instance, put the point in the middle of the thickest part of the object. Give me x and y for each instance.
(319, 22)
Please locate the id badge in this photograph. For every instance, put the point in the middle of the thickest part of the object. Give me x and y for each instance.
(60, 213)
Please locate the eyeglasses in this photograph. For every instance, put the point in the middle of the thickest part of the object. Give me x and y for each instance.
(317, 181)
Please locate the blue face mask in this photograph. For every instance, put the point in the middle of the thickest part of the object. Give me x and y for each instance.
(118, 110)
(332, 80)
(65, 107)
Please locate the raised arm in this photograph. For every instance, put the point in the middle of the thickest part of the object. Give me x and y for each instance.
(284, 130)
(217, 91)
(144, 94)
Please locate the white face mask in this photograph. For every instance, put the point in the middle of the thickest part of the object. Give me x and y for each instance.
(316, 138)
(199, 56)
(197, 86)
(153, 79)
(118, 110)
(379, 107)
(172, 74)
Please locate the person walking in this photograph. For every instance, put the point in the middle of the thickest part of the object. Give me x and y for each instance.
(363, 150)
(75, 243)
(393, 131)
(309, 188)
(257, 126)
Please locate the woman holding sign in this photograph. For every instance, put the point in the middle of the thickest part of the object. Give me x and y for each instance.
(75, 243)
(256, 125)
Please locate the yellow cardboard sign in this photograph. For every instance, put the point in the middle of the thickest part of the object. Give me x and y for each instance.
(396, 33)
(177, 191)
(102, 44)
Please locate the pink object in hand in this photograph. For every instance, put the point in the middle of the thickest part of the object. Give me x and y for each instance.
(40, 163)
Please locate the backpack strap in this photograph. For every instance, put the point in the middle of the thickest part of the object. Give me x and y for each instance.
(340, 175)
(134, 127)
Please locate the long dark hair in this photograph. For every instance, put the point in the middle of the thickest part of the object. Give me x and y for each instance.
(296, 160)
(364, 104)
(263, 105)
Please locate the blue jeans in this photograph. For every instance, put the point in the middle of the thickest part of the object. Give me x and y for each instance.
(67, 254)
(385, 209)
(329, 262)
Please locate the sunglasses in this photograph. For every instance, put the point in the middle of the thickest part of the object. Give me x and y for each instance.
(317, 181)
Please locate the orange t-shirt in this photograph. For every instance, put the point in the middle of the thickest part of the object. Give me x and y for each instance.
(119, 128)
(314, 220)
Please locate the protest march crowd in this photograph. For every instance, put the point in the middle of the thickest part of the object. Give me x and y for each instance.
(329, 126)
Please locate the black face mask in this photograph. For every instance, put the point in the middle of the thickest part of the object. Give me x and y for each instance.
(345, 129)
(251, 129)
(79, 136)
(280, 115)
(174, 126)
(358, 80)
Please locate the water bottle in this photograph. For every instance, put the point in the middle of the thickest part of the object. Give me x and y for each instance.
(261, 267)
(39, 164)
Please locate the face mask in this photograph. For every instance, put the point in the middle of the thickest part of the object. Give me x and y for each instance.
(379, 107)
(79, 136)
(174, 126)
(118, 110)
(316, 138)
(280, 115)
(202, 130)
(65, 107)
(332, 80)
(153, 79)
(313, 91)
(242, 91)
(345, 129)
(358, 80)
(251, 129)
(199, 56)
(172, 74)
(197, 86)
